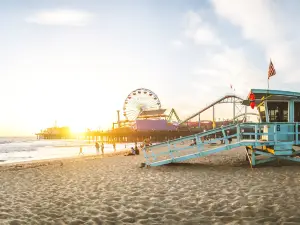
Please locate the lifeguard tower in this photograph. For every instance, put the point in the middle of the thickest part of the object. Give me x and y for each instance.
(274, 137)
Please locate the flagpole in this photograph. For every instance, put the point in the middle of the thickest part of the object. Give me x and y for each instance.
(268, 79)
(269, 74)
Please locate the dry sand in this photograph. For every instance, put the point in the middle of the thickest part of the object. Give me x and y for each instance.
(219, 189)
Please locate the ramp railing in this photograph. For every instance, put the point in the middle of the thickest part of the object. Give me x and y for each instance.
(223, 138)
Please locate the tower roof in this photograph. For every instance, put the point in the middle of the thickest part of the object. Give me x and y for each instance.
(155, 112)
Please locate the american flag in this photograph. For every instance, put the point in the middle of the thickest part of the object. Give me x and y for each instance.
(272, 70)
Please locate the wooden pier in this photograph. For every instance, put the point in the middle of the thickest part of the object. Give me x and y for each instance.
(129, 136)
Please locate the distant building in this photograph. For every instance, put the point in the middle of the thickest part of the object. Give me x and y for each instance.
(55, 133)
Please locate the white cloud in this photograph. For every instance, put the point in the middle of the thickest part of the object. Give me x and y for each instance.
(251, 16)
(223, 65)
(61, 17)
(265, 23)
(199, 31)
(230, 66)
(177, 44)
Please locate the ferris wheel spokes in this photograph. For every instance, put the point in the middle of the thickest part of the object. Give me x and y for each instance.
(140, 100)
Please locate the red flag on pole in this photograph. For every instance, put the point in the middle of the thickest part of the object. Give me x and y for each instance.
(272, 70)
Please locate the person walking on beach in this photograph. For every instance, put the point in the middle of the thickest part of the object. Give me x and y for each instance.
(136, 149)
(114, 146)
(80, 151)
(228, 136)
(97, 147)
(102, 148)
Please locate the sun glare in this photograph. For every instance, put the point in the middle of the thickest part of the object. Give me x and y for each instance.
(77, 129)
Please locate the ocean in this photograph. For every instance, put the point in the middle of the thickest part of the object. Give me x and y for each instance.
(21, 149)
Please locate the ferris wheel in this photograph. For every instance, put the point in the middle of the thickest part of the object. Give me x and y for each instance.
(140, 100)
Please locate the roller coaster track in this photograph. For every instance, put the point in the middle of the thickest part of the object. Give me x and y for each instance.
(224, 99)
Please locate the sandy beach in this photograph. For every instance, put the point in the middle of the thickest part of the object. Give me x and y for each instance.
(219, 189)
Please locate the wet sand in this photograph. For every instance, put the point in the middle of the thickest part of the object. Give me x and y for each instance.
(219, 189)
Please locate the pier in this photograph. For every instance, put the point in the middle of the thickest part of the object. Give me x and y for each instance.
(130, 136)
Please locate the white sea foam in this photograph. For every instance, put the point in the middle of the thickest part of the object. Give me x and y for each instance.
(18, 149)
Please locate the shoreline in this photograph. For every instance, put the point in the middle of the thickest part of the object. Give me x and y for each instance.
(54, 161)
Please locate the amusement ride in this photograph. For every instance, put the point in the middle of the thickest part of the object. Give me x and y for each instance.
(138, 101)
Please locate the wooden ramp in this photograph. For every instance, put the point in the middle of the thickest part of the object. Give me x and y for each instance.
(257, 140)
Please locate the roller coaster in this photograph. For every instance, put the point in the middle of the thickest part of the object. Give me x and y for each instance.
(239, 111)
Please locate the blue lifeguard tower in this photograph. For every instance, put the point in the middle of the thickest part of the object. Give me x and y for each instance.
(273, 137)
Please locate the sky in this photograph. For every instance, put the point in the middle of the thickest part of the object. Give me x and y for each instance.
(75, 62)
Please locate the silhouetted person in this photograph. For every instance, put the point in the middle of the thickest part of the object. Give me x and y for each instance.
(193, 142)
(102, 148)
(229, 138)
(80, 151)
(114, 146)
(97, 147)
(131, 153)
(136, 149)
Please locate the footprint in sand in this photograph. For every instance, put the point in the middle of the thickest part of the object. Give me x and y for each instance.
(111, 214)
(130, 213)
(142, 216)
(172, 217)
(109, 209)
(17, 222)
(207, 213)
(93, 212)
(266, 220)
(143, 221)
(185, 214)
(136, 193)
(84, 218)
(4, 215)
(145, 203)
(77, 222)
(129, 220)
(153, 210)
(115, 199)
